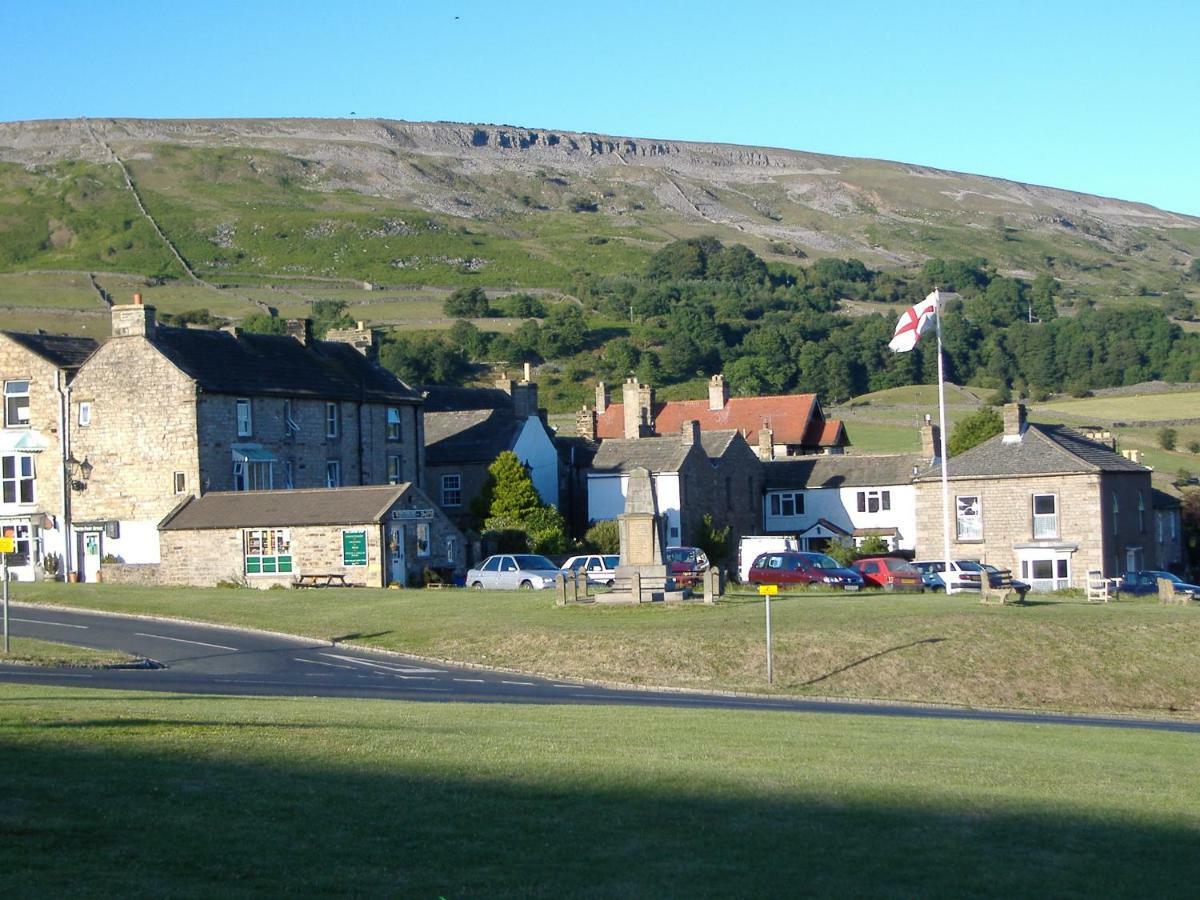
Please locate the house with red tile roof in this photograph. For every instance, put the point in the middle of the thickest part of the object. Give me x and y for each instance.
(784, 425)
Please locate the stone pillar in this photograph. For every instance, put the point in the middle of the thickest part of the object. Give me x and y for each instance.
(635, 586)
(766, 443)
(718, 392)
(560, 589)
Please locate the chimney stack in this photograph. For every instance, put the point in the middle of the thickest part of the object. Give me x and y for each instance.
(134, 319)
(637, 403)
(300, 329)
(931, 440)
(1014, 422)
(689, 433)
(766, 443)
(718, 392)
(601, 398)
(363, 339)
(585, 424)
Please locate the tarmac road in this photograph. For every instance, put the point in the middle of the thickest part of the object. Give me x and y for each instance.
(204, 659)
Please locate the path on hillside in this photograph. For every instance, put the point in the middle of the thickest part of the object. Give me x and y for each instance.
(208, 659)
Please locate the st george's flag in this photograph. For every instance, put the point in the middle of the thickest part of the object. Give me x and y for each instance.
(914, 322)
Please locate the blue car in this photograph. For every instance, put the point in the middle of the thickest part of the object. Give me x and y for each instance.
(1146, 582)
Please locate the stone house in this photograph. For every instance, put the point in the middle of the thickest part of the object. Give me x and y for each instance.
(467, 428)
(1168, 531)
(1046, 501)
(36, 470)
(372, 536)
(692, 473)
(784, 425)
(163, 413)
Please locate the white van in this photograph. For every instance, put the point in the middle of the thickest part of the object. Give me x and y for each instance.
(750, 547)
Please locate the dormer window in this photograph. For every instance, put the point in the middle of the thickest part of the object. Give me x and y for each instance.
(16, 404)
(244, 423)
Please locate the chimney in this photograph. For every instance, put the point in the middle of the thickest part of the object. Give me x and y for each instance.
(585, 424)
(363, 339)
(689, 433)
(646, 406)
(718, 392)
(766, 443)
(637, 400)
(134, 320)
(300, 329)
(601, 398)
(525, 399)
(1134, 456)
(931, 440)
(1014, 422)
(527, 374)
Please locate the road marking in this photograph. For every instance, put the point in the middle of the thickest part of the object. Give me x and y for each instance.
(57, 624)
(163, 637)
(521, 683)
(417, 677)
(377, 665)
(566, 685)
(469, 680)
(317, 662)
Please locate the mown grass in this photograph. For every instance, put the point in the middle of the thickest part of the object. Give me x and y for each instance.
(119, 794)
(48, 653)
(1056, 654)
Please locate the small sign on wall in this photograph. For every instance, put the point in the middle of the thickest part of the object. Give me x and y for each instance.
(354, 548)
(412, 514)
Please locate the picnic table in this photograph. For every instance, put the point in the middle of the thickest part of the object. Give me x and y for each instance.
(321, 579)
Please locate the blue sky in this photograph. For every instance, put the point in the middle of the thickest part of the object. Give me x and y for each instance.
(1099, 97)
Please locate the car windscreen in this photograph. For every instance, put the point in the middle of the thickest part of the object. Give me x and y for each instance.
(528, 561)
(969, 565)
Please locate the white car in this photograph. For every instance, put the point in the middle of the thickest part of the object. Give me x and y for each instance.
(965, 575)
(600, 568)
(509, 571)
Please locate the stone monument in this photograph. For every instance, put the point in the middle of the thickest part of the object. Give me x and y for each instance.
(640, 528)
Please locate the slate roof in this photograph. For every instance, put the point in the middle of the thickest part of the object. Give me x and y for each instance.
(791, 418)
(1042, 450)
(61, 350)
(441, 398)
(283, 509)
(257, 364)
(658, 454)
(470, 435)
(840, 470)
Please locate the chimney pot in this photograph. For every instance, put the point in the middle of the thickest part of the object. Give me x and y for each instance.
(137, 299)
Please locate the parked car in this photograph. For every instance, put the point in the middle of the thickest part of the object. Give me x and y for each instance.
(1146, 582)
(792, 567)
(508, 571)
(889, 573)
(685, 564)
(1002, 578)
(965, 574)
(600, 569)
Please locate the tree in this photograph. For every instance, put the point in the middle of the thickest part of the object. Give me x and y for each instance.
(564, 332)
(714, 541)
(603, 537)
(973, 430)
(512, 503)
(328, 314)
(261, 323)
(1167, 438)
(467, 303)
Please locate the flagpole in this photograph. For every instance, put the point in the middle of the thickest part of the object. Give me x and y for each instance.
(945, 456)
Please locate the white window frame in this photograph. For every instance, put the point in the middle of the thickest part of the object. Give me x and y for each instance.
(1116, 514)
(289, 474)
(245, 418)
(423, 547)
(253, 475)
(333, 420)
(395, 424)
(874, 501)
(266, 551)
(780, 501)
(968, 524)
(333, 473)
(395, 469)
(1045, 525)
(452, 490)
(85, 413)
(179, 482)
(289, 423)
(1141, 512)
(18, 480)
(14, 391)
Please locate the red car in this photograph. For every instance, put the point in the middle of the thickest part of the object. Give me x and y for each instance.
(889, 573)
(789, 568)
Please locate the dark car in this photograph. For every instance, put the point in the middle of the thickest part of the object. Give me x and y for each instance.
(889, 573)
(1146, 582)
(685, 564)
(794, 568)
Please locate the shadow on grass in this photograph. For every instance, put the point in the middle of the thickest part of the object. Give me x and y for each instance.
(117, 821)
(357, 636)
(859, 662)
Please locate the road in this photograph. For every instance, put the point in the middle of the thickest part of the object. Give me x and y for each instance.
(205, 659)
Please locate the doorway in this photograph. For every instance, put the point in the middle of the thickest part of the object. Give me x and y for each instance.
(89, 555)
(397, 569)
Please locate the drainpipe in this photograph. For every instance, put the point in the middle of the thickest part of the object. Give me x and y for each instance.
(64, 451)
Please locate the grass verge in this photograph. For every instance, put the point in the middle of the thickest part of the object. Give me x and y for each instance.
(30, 651)
(111, 794)
(1132, 657)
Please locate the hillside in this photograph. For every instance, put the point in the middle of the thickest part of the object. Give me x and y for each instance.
(255, 203)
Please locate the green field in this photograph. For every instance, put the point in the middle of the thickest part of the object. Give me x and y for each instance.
(124, 794)
(1054, 654)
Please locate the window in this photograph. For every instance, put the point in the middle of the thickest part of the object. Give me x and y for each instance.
(874, 501)
(1141, 513)
(1116, 514)
(789, 504)
(394, 432)
(85, 414)
(16, 479)
(268, 551)
(332, 417)
(968, 521)
(395, 469)
(244, 425)
(180, 482)
(252, 475)
(422, 539)
(1045, 516)
(728, 493)
(450, 549)
(333, 473)
(16, 404)
(289, 474)
(26, 543)
(492, 565)
(451, 490)
(289, 422)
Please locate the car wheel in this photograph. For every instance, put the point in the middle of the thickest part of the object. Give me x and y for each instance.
(937, 589)
(477, 586)
(608, 583)
(527, 585)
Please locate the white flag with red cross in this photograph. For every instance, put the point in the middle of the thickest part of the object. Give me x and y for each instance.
(914, 322)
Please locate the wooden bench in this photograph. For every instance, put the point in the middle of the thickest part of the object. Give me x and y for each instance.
(321, 579)
(1099, 588)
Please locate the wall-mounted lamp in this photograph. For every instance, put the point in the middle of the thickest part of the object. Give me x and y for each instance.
(79, 472)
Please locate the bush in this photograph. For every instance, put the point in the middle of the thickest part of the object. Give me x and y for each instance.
(1167, 438)
(603, 537)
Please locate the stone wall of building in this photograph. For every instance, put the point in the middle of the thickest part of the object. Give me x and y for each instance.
(19, 364)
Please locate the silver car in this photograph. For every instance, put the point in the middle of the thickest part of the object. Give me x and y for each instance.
(509, 571)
